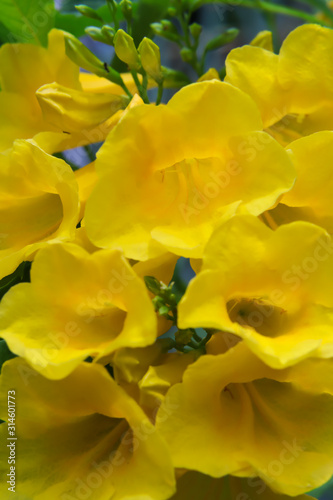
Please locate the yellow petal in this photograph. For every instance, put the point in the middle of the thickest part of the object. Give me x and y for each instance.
(263, 39)
(293, 90)
(95, 305)
(38, 203)
(255, 71)
(89, 438)
(184, 181)
(233, 417)
(73, 110)
(272, 289)
(312, 157)
(304, 67)
(86, 179)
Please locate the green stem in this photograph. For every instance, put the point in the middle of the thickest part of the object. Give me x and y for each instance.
(141, 89)
(89, 153)
(160, 93)
(197, 65)
(196, 337)
(123, 86)
(321, 6)
(267, 7)
(113, 9)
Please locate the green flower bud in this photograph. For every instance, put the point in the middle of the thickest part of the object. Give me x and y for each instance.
(195, 30)
(183, 337)
(226, 37)
(108, 34)
(153, 285)
(127, 9)
(84, 58)
(159, 30)
(163, 311)
(151, 59)
(187, 54)
(157, 302)
(126, 50)
(172, 11)
(88, 12)
(169, 26)
(174, 79)
(95, 33)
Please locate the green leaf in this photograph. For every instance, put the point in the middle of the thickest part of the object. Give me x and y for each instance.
(18, 276)
(5, 353)
(28, 21)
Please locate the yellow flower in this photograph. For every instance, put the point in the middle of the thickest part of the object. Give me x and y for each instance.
(263, 39)
(86, 178)
(98, 85)
(193, 485)
(89, 439)
(73, 110)
(30, 75)
(179, 170)
(235, 415)
(39, 203)
(148, 373)
(293, 89)
(273, 289)
(311, 197)
(77, 305)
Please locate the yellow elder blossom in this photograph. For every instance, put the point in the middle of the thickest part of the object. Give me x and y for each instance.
(235, 415)
(311, 197)
(77, 305)
(179, 170)
(293, 90)
(88, 438)
(273, 289)
(44, 97)
(39, 203)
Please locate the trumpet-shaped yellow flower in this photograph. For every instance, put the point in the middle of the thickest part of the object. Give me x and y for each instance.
(311, 197)
(272, 289)
(293, 89)
(77, 305)
(193, 485)
(179, 170)
(89, 439)
(39, 203)
(69, 115)
(235, 415)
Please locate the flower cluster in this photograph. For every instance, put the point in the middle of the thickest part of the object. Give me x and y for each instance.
(128, 388)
